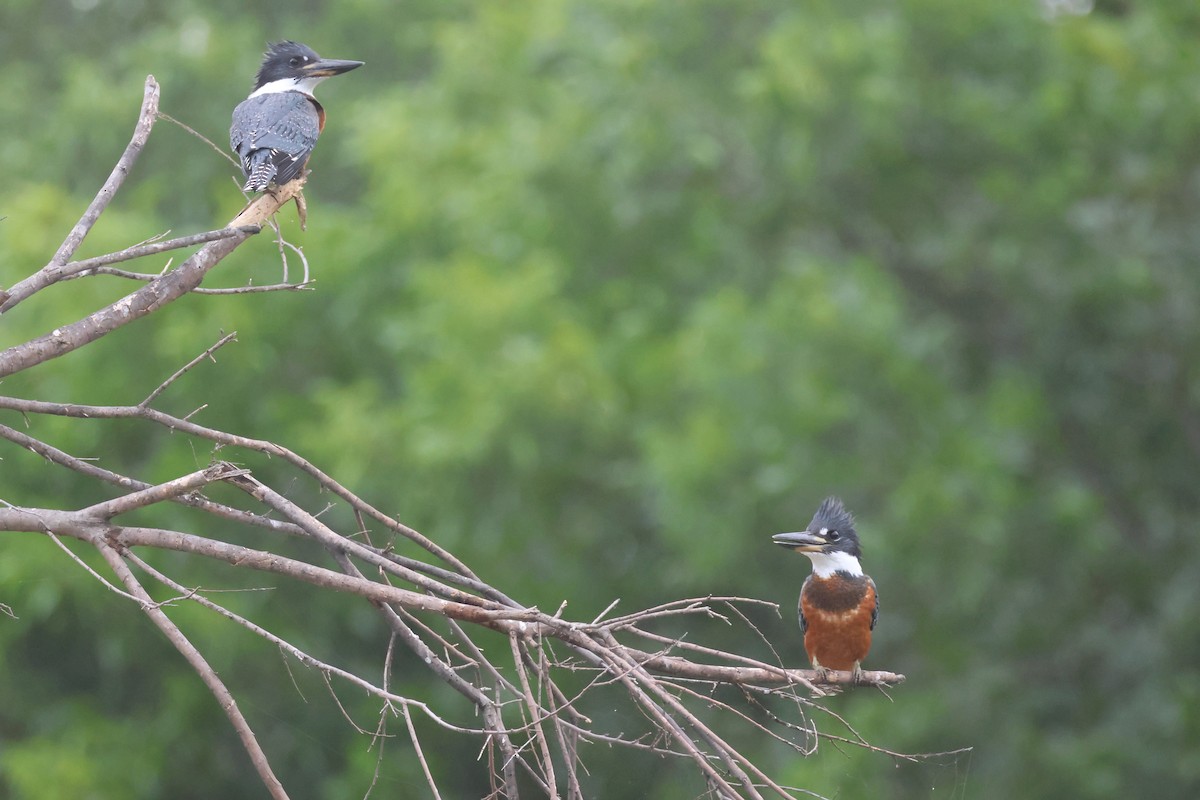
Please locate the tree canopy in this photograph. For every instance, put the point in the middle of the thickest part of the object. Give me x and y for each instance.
(608, 292)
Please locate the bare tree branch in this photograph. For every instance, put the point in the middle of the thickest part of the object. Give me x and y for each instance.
(690, 697)
(141, 134)
(233, 440)
(76, 269)
(83, 467)
(157, 494)
(159, 292)
(202, 668)
(262, 288)
(179, 373)
(57, 268)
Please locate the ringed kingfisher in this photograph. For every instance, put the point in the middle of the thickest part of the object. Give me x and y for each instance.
(838, 603)
(275, 129)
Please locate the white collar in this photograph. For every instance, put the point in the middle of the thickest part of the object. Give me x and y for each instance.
(303, 85)
(825, 564)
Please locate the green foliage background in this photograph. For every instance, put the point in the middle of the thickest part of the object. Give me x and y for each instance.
(608, 292)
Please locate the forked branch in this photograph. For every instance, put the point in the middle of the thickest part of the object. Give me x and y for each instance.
(690, 697)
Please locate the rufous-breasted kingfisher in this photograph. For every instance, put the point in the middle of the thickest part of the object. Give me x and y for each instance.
(838, 602)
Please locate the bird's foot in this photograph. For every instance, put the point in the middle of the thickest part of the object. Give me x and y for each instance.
(856, 674)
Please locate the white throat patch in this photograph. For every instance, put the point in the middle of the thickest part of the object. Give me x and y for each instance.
(305, 85)
(825, 564)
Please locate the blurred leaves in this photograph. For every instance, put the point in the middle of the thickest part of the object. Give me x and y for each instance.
(609, 292)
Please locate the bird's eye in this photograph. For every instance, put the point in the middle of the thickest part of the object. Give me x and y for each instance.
(834, 536)
(293, 61)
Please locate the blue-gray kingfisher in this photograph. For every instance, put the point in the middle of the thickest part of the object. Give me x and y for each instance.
(275, 129)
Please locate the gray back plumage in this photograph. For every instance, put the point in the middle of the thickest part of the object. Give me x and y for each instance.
(274, 134)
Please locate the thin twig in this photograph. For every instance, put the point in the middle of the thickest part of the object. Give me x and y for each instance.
(733, 760)
(533, 709)
(105, 582)
(50, 273)
(221, 471)
(146, 277)
(56, 456)
(207, 674)
(303, 657)
(335, 541)
(162, 387)
(162, 290)
(219, 150)
(78, 269)
(412, 735)
(567, 740)
(258, 445)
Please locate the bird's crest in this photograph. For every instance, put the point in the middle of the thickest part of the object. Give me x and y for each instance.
(278, 58)
(832, 515)
(288, 49)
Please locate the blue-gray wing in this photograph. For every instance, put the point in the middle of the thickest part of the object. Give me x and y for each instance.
(275, 133)
(875, 610)
(800, 606)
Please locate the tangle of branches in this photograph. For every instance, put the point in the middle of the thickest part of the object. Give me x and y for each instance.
(692, 697)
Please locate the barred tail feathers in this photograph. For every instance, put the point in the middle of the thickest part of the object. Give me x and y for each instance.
(260, 170)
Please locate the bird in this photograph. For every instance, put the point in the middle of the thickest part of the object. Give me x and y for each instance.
(838, 601)
(276, 127)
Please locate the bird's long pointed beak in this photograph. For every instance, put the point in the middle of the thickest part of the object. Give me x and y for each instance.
(801, 542)
(328, 67)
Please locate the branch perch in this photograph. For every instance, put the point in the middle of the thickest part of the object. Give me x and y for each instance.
(693, 702)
